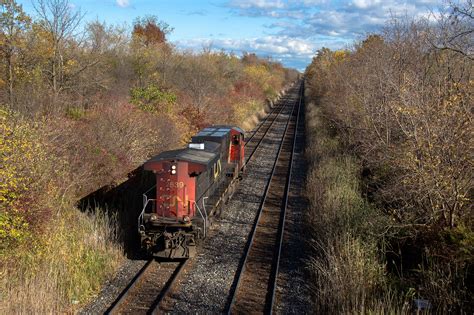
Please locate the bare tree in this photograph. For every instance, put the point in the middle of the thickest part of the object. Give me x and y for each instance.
(13, 22)
(59, 21)
(456, 29)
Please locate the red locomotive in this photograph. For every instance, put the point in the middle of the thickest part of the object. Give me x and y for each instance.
(191, 184)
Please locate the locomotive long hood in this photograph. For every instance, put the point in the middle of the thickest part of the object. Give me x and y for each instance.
(199, 160)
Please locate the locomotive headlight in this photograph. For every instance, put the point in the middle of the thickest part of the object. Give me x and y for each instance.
(173, 172)
(173, 167)
(153, 217)
(186, 219)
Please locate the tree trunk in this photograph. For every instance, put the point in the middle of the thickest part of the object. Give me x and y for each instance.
(10, 78)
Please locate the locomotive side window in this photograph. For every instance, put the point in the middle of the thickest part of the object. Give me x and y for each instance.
(235, 139)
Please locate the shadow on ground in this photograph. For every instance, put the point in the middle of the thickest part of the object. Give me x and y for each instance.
(124, 202)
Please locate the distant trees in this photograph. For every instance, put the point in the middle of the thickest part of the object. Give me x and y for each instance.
(52, 65)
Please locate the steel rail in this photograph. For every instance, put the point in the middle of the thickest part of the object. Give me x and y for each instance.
(129, 288)
(264, 134)
(155, 308)
(241, 269)
(281, 229)
(121, 301)
(260, 124)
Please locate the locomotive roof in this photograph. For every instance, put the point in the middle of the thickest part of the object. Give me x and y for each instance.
(189, 155)
(217, 131)
(229, 127)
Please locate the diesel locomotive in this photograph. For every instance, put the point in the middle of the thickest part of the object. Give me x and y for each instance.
(191, 185)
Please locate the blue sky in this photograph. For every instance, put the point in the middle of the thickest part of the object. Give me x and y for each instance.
(290, 31)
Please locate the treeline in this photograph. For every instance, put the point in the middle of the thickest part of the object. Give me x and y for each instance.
(391, 180)
(81, 105)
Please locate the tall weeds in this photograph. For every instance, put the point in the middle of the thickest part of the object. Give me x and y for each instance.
(63, 268)
(346, 265)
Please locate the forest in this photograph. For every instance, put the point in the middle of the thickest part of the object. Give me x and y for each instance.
(82, 104)
(390, 138)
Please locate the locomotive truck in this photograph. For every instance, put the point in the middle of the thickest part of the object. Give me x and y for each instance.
(191, 186)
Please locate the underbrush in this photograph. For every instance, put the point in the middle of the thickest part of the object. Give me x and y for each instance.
(346, 265)
(53, 257)
(63, 267)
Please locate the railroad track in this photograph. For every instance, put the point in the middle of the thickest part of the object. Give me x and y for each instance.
(254, 285)
(148, 288)
(253, 142)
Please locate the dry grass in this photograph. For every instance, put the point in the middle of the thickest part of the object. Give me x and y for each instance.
(64, 268)
(348, 274)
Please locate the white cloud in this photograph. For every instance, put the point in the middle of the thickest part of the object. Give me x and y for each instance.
(123, 3)
(364, 4)
(259, 4)
(276, 46)
(300, 27)
(290, 51)
(308, 2)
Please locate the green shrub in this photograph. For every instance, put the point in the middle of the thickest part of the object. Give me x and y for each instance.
(152, 99)
(75, 113)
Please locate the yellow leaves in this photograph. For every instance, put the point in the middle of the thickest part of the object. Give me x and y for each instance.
(70, 65)
(19, 153)
(12, 226)
(258, 74)
(340, 55)
(261, 76)
(404, 110)
(244, 109)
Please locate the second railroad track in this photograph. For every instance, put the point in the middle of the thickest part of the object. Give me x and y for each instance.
(255, 282)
